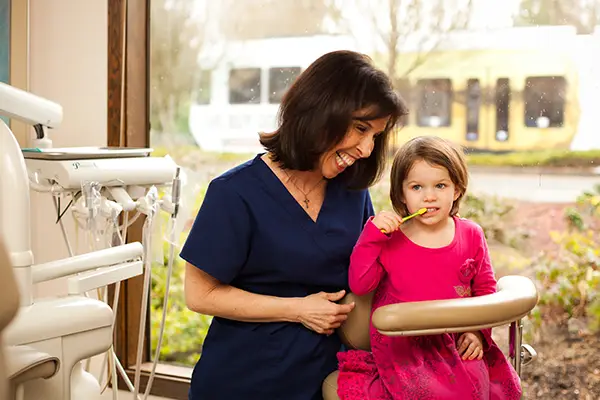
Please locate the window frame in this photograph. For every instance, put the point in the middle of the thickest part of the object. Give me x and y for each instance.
(133, 115)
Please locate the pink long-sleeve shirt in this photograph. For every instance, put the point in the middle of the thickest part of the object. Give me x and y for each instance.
(416, 273)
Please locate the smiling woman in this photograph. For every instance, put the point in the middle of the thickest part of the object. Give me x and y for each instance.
(269, 249)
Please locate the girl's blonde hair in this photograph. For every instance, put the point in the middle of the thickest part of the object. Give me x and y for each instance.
(435, 151)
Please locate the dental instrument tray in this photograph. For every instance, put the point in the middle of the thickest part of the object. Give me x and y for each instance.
(69, 167)
(85, 153)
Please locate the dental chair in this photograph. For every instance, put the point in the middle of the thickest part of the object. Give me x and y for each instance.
(515, 298)
(18, 364)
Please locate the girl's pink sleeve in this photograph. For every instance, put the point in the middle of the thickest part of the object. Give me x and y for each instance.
(484, 281)
(365, 269)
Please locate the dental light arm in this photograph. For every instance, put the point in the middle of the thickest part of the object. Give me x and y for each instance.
(29, 108)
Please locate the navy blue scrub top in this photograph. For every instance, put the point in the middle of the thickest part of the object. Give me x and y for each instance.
(252, 234)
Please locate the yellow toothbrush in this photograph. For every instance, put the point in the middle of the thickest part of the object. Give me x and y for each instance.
(421, 211)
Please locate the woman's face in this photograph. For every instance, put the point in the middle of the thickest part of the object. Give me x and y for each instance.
(358, 143)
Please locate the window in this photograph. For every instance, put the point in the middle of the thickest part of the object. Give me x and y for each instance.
(502, 109)
(280, 80)
(272, 37)
(244, 86)
(545, 101)
(435, 103)
(473, 105)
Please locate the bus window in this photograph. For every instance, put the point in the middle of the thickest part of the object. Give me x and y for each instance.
(473, 105)
(280, 80)
(435, 102)
(545, 101)
(244, 86)
(502, 109)
(202, 93)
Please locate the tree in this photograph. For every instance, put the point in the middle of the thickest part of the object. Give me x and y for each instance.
(257, 19)
(421, 25)
(178, 31)
(584, 15)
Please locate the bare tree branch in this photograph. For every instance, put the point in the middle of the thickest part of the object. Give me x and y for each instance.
(424, 24)
(584, 15)
(177, 36)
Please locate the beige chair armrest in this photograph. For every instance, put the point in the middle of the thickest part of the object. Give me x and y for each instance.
(515, 298)
(354, 332)
(24, 363)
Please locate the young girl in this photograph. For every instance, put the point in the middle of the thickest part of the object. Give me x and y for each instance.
(437, 255)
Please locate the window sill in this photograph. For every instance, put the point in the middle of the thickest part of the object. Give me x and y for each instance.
(170, 381)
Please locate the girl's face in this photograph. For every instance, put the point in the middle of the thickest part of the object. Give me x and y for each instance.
(358, 143)
(429, 186)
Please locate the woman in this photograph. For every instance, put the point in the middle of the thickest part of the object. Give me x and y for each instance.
(268, 252)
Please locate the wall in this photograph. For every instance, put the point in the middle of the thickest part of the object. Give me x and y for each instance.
(67, 63)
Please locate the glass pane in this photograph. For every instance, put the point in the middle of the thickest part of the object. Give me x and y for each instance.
(220, 69)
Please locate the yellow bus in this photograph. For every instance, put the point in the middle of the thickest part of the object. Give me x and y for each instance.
(506, 90)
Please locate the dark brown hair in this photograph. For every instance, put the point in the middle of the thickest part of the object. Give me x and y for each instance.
(317, 111)
(435, 151)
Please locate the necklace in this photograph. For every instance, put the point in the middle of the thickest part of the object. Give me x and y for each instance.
(306, 200)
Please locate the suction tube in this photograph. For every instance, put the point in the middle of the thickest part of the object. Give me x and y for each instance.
(175, 196)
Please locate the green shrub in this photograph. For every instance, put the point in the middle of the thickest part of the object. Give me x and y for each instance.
(493, 215)
(569, 279)
(185, 330)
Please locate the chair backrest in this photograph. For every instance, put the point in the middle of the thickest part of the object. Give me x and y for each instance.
(355, 330)
(9, 305)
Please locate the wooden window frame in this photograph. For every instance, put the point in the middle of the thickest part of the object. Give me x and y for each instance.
(129, 126)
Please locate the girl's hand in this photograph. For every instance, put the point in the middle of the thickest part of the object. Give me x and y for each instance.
(470, 346)
(387, 221)
(320, 313)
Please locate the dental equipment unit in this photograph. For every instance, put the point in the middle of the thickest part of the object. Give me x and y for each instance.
(104, 185)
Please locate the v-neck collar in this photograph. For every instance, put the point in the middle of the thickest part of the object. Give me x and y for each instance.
(277, 188)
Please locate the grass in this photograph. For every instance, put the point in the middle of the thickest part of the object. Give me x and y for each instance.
(546, 158)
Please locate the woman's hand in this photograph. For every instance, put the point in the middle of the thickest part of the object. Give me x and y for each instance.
(320, 313)
(387, 221)
(470, 346)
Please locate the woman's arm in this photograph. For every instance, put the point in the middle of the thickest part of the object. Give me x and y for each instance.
(206, 295)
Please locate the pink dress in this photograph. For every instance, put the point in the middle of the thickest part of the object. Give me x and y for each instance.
(425, 367)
